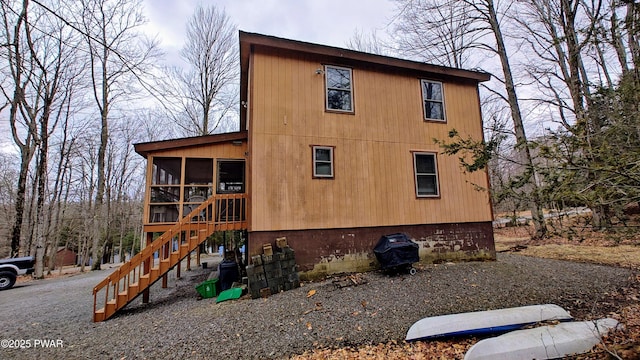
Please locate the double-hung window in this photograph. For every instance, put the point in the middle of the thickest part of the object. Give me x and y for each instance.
(339, 89)
(433, 100)
(426, 173)
(322, 161)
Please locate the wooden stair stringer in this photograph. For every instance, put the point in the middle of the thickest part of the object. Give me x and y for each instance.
(125, 287)
(155, 273)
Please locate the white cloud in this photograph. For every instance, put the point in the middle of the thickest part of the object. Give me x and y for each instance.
(328, 22)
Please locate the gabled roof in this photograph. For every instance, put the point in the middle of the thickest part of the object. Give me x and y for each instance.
(145, 148)
(249, 39)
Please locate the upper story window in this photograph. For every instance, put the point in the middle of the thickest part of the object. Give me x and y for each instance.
(339, 91)
(433, 100)
(426, 173)
(322, 161)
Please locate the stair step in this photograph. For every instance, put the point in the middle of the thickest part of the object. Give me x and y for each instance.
(143, 281)
(199, 230)
(133, 290)
(164, 265)
(99, 315)
(110, 307)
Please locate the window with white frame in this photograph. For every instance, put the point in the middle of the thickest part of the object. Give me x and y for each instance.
(339, 89)
(426, 172)
(322, 161)
(433, 100)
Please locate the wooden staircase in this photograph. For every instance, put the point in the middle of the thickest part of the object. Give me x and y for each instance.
(218, 213)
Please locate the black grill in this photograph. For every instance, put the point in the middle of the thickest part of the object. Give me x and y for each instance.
(396, 252)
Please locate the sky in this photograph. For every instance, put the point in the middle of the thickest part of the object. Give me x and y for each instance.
(326, 22)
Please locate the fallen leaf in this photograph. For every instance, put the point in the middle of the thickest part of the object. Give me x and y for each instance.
(311, 293)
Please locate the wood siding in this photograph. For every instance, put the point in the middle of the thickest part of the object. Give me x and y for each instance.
(374, 178)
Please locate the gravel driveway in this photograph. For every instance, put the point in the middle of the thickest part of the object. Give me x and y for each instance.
(178, 325)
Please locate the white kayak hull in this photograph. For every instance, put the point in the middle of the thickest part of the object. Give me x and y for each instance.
(545, 342)
(485, 322)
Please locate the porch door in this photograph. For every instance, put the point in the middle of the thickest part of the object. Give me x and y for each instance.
(231, 180)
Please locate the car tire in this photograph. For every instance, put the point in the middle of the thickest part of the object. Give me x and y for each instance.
(7, 280)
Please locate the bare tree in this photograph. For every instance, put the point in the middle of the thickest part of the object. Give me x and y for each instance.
(38, 58)
(576, 44)
(23, 130)
(118, 55)
(439, 32)
(200, 98)
(370, 43)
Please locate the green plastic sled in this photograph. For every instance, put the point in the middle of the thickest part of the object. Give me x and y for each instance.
(231, 294)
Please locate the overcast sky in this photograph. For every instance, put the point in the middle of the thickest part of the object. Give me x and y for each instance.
(327, 22)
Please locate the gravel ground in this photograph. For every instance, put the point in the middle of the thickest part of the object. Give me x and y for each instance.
(178, 325)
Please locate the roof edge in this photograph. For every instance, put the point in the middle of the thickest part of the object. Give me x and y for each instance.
(282, 43)
(145, 148)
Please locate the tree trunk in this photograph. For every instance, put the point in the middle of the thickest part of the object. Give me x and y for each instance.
(19, 204)
(522, 145)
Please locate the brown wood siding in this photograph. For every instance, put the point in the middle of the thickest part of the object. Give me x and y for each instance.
(374, 179)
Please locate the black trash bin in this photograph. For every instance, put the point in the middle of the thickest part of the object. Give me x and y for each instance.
(396, 252)
(228, 274)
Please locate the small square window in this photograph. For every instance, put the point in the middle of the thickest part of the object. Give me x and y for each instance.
(426, 173)
(433, 100)
(322, 162)
(339, 90)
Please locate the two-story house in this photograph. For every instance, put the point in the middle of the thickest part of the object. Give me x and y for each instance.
(335, 149)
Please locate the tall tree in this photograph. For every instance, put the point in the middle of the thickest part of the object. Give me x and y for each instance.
(200, 98)
(23, 129)
(574, 43)
(118, 55)
(440, 32)
(39, 59)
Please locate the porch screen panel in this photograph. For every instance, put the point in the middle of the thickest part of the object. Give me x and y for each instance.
(165, 189)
